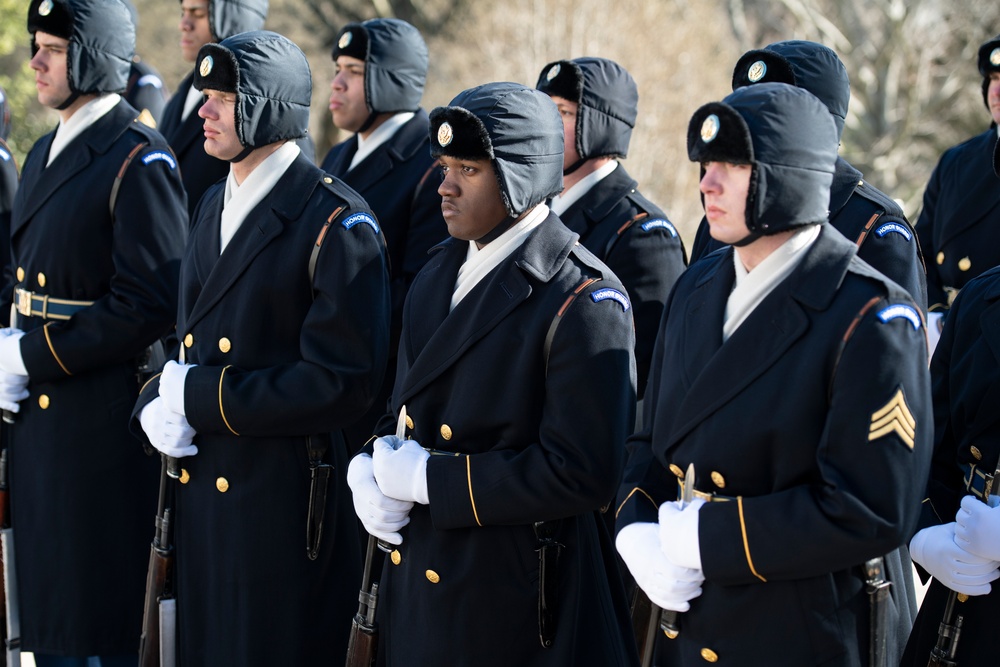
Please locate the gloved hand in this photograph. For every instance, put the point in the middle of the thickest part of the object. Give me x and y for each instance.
(401, 469)
(935, 549)
(679, 533)
(169, 432)
(667, 585)
(10, 351)
(172, 385)
(381, 516)
(977, 528)
(13, 388)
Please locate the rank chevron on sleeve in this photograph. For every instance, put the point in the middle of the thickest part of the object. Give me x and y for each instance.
(893, 417)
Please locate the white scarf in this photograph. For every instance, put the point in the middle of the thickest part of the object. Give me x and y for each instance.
(81, 119)
(379, 136)
(240, 199)
(562, 201)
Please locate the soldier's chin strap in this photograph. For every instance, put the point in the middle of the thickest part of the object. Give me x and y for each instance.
(243, 154)
(747, 240)
(68, 102)
(495, 233)
(576, 165)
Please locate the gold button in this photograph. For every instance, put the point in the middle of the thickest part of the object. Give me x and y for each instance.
(185, 477)
(976, 454)
(940, 258)
(43, 402)
(20, 274)
(222, 484)
(432, 576)
(676, 469)
(327, 179)
(409, 422)
(961, 597)
(188, 340)
(445, 431)
(718, 479)
(396, 557)
(964, 264)
(41, 280)
(709, 655)
(225, 345)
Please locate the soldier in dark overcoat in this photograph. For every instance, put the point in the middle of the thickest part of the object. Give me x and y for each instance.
(868, 217)
(202, 22)
(97, 230)
(597, 100)
(959, 538)
(517, 373)
(8, 187)
(793, 378)
(381, 70)
(960, 219)
(284, 323)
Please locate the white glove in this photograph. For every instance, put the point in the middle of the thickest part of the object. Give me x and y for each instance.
(667, 585)
(381, 516)
(679, 533)
(10, 351)
(172, 385)
(977, 528)
(167, 431)
(935, 549)
(13, 388)
(401, 469)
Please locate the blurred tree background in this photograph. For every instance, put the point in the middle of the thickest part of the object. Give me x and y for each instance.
(912, 66)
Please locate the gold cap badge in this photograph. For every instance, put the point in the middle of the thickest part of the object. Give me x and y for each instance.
(445, 134)
(553, 72)
(994, 56)
(757, 71)
(45, 8)
(345, 40)
(710, 128)
(206, 65)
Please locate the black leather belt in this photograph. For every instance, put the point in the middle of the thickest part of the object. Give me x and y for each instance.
(31, 304)
(977, 482)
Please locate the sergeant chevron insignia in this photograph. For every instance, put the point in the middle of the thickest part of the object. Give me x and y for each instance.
(893, 417)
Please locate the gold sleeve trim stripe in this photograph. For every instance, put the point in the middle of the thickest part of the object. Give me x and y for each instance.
(48, 340)
(472, 498)
(746, 543)
(146, 384)
(221, 411)
(630, 494)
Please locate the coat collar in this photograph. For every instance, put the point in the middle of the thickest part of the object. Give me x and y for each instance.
(845, 181)
(436, 338)
(980, 194)
(409, 139)
(599, 201)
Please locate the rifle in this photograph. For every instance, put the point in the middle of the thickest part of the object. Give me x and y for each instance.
(10, 628)
(363, 642)
(157, 641)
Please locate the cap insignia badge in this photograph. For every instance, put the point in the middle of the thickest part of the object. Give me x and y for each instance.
(757, 71)
(206, 66)
(345, 40)
(553, 72)
(710, 128)
(995, 57)
(45, 8)
(445, 134)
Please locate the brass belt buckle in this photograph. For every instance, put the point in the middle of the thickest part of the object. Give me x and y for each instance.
(24, 302)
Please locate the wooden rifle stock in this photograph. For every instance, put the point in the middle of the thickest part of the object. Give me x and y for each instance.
(362, 645)
(159, 580)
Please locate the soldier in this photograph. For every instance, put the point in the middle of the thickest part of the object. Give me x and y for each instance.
(525, 393)
(381, 69)
(796, 493)
(597, 100)
(145, 90)
(961, 214)
(202, 21)
(284, 318)
(97, 230)
(8, 187)
(862, 213)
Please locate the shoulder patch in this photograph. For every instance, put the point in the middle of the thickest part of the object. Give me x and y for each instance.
(614, 295)
(150, 80)
(360, 218)
(659, 223)
(900, 310)
(4, 155)
(894, 228)
(160, 156)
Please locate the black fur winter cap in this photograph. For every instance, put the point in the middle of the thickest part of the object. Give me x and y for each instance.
(988, 61)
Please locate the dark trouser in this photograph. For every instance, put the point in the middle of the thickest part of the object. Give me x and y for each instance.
(43, 660)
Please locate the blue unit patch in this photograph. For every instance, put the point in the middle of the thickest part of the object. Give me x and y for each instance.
(4, 155)
(363, 218)
(159, 156)
(660, 223)
(900, 310)
(614, 295)
(894, 228)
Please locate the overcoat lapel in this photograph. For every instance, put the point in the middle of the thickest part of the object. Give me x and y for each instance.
(981, 196)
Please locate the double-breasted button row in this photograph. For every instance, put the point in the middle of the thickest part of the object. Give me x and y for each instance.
(221, 483)
(964, 264)
(40, 278)
(715, 475)
(396, 557)
(225, 345)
